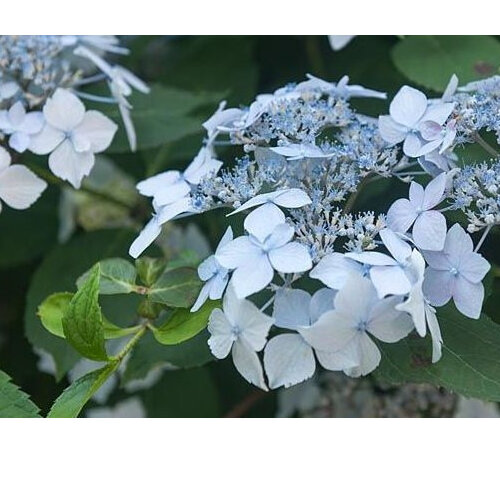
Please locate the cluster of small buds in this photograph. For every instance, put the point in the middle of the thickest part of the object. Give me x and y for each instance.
(306, 154)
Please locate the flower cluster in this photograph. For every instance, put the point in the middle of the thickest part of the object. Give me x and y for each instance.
(306, 154)
(41, 86)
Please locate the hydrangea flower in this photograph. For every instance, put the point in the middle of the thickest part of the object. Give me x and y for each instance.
(429, 226)
(214, 275)
(286, 198)
(19, 186)
(242, 329)
(344, 333)
(456, 272)
(21, 126)
(72, 136)
(411, 119)
(289, 358)
(267, 248)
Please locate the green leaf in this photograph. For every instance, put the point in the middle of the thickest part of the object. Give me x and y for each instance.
(177, 287)
(431, 60)
(14, 403)
(59, 271)
(183, 324)
(159, 117)
(71, 402)
(54, 307)
(82, 322)
(148, 354)
(471, 357)
(117, 276)
(149, 269)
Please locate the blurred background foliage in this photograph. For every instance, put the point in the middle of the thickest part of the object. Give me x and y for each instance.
(44, 249)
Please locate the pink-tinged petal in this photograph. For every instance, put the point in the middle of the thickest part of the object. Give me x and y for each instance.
(221, 335)
(388, 324)
(398, 248)
(473, 267)
(150, 232)
(262, 221)
(288, 360)
(64, 111)
(408, 106)
(430, 130)
(401, 215)
(291, 308)
(438, 113)
(458, 243)
(248, 364)
(390, 131)
(468, 297)
(438, 286)
(97, 129)
(333, 270)
(370, 357)
(291, 258)
(429, 231)
(413, 145)
(46, 141)
(69, 165)
(20, 187)
(253, 277)
(389, 280)
(434, 192)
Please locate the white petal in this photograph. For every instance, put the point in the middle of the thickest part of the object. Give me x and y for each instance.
(291, 258)
(221, 334)
(438, 286)
(390, 280)
(288, 360)
(226, 238)
(152, 185)
(401, 215)
(260, 199)
(69, 165)
(430, 130)
(333, 270)
(169, 212)
(416, 195)
(150, 232)
(33, 123)
(208, 268)
(398, 248)
(370, 357)
(96, 128)
(474, 267)
(19, 187)
(413, 146)
(248, 364)
(172, 193)
(19, 141)
(292, 198)
(372, 258)
(338, 42)
(321, 302)
(217, 285)
(438, 113)
(202, 297)
(280, 236)
(238, 252)
(429, 230)
(408, 106)
(434, 191)
(262, 221)
(291, 308)
(438, 260)
(468, 297)
(458, 242)
(252, 277)
(254, 325)
(202, 165)
(415, 306)
(391, 132)
(46, 141)
(64, 110)
(435, 333)
(356, 299)
(388, 324)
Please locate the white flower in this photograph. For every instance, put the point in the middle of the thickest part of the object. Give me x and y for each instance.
(410, 118)
(21, 126)
(223, 120)
(301, 151)
(215, 276)
(338, 42)
(288, 358)
(286, 198)
(429, 226)
(334, 270)
(267, 248)
(72, 136)
(418, 307)
(387, 273)
(341, 337)
(19, 186)
(456, 272)
(242, 329)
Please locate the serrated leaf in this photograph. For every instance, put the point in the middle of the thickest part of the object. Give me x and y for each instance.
(471, 357)
(177, 287)
(82, 322)
(117, 276)
(149, 269)
(54, 307)
(14, 403)
(71, 402)
(430, 60)
(148, 354)
(183, 324)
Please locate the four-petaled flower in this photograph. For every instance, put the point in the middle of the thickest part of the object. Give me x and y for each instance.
(21, 126)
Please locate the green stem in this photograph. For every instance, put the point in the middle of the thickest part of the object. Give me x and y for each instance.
(130, 345)
(490, 149)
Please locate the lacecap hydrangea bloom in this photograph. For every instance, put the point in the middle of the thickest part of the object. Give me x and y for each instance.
(42, 84)
(305, 153)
